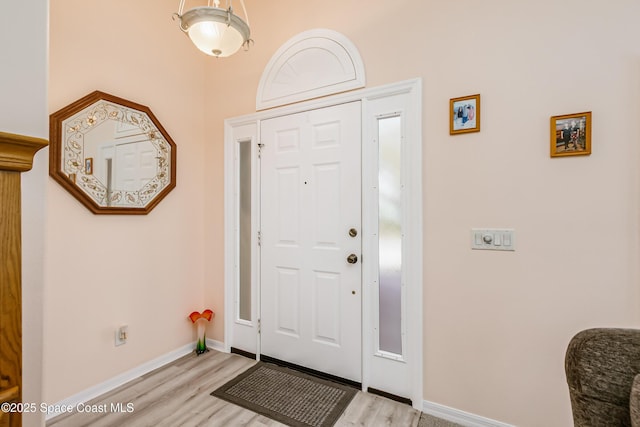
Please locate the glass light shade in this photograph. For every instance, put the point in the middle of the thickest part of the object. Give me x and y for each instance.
(216, 32)
(215, 38)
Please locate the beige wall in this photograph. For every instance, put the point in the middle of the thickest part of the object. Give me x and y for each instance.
(103, 271)
(496, 324)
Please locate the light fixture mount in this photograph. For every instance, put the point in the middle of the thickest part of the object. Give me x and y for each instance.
(215, 31)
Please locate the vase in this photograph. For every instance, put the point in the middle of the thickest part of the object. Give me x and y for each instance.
(201, 345)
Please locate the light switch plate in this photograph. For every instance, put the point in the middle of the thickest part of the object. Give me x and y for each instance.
(493, 239)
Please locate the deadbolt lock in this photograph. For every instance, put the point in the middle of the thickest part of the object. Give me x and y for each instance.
(353, 232)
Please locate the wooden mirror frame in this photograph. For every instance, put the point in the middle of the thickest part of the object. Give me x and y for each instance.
(58, 143)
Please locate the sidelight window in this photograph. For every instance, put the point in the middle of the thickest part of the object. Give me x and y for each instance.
(390, 234)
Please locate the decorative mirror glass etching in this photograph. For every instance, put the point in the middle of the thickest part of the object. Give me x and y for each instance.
(113, 155)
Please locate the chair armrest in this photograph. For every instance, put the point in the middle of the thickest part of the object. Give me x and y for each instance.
(600, 365)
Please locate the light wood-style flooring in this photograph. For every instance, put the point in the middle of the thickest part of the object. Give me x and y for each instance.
(177, 395)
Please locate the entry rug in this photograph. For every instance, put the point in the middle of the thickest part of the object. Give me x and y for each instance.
(288, 396)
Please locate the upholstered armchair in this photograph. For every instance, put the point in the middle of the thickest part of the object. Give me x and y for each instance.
(602, 367)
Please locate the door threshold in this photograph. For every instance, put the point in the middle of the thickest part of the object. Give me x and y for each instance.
(390, 396)
(244, 353)
(313, 372)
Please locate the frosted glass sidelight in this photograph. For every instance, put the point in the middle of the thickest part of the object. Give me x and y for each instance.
(390, 233)
(244, 220)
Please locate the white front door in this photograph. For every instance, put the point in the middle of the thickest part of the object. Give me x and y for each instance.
(311, 297)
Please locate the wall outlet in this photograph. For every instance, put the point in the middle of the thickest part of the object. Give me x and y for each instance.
(121, 335)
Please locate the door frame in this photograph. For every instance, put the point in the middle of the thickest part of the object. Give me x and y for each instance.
(247, 129)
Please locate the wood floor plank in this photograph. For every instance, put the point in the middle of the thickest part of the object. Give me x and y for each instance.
(178, 394)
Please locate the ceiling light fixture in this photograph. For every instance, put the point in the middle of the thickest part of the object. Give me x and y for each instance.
(215, 31)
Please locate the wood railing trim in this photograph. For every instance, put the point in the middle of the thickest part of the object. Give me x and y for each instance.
(17, 151)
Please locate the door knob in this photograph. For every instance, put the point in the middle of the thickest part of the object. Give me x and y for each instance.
(352, 259)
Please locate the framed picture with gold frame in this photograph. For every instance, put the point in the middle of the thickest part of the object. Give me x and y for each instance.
(571, 135)
(464, 114)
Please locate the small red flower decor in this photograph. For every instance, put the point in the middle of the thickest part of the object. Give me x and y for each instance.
(200, 319)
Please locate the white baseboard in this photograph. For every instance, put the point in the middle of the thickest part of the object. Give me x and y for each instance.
(459, 417)
(450, 414)
(216, 345)
(125, 377)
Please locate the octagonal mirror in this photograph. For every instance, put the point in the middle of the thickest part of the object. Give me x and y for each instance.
(111, 154)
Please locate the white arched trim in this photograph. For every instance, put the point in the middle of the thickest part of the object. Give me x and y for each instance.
(312, 64)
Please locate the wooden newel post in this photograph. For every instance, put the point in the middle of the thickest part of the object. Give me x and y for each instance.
(16, 156)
